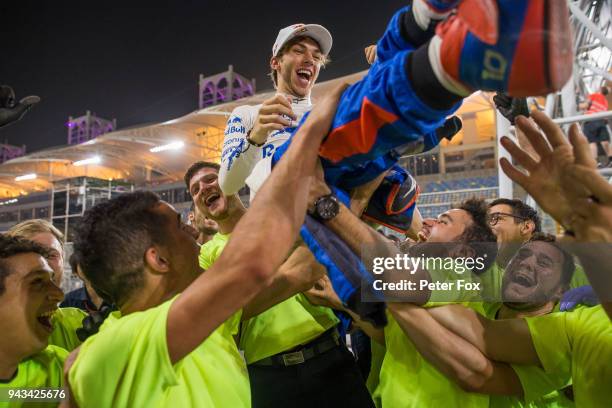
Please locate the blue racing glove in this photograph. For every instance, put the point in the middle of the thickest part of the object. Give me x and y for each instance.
(583, 295)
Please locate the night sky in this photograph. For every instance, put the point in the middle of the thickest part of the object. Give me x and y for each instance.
(140, 62)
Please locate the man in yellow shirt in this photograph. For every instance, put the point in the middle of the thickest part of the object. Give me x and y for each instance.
(292, 349)
(66, 320)
(534, 281)
(574, 346)
(406, 378)
(28, 299)
(514, 223)
(167, 344)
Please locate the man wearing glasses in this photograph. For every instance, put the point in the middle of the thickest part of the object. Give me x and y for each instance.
(514, 223)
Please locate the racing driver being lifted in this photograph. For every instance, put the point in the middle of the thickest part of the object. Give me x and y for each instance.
(254, 132)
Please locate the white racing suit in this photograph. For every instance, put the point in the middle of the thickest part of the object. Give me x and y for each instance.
(243, 163)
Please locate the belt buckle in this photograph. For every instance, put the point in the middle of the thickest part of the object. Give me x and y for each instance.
(293, 358)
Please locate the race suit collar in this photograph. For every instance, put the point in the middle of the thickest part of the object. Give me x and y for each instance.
(296, 100)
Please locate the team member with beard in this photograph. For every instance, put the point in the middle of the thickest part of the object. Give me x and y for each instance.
(293, 350)
(406, 378)
(28, 299)
(534, 281)
(514, 223)
(569, 346)
(536, 277)
(254, 132)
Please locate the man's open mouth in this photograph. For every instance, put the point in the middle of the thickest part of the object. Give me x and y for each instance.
(45, 320)
(305, 75)
(524, 279)
(211, 198)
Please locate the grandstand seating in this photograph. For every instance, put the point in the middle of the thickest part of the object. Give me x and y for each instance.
(438, 196)
(459, 184)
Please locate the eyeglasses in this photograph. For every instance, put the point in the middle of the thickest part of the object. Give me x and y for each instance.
(495, 217)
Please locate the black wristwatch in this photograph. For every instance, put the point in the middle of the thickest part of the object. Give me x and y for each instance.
(326, 207)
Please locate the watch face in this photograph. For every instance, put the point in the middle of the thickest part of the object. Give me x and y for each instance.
(327, 208)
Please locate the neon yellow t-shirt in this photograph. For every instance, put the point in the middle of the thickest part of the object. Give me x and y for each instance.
(464, 287)
(284, 326)
(492, 283)
(210, 251)
(378, 354)
(408, 380)
(540, 389)
(127, 365)
(42, 370)
(66, 321)
(577, 345)
(579, 278)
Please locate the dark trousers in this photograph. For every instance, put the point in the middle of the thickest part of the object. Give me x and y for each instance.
(330, 379)
(362, 347)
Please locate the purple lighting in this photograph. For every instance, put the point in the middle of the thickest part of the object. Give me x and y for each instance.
(88, 127)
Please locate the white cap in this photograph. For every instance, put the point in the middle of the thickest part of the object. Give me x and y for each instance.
(314, 31)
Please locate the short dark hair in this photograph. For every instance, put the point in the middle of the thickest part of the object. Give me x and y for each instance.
(274, 75)
(479, 234)
(197, 166)
(568, 268)
(11, 246)
(604, 90)
(111, 241)
(520, 209)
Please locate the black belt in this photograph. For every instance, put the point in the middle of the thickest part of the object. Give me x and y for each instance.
(325, 342)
